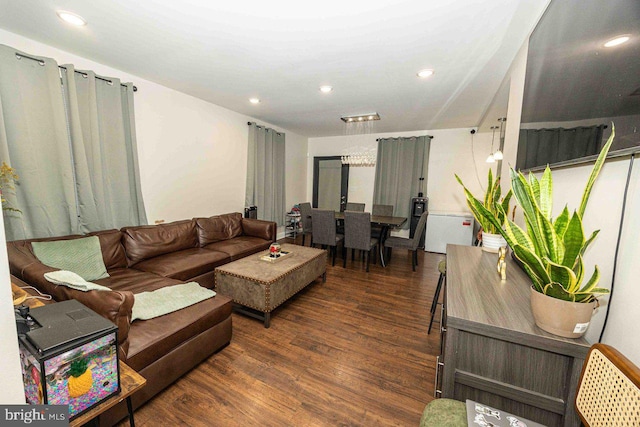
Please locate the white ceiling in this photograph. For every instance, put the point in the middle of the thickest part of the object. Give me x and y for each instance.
(281, 51)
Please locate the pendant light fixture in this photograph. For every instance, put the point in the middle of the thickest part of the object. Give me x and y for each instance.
(491, 158)
(498, 154)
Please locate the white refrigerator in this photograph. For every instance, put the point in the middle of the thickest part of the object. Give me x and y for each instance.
(448, 227)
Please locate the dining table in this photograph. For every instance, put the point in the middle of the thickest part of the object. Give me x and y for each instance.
(385, 223)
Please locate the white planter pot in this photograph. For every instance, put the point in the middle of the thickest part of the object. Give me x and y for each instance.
(492, 242)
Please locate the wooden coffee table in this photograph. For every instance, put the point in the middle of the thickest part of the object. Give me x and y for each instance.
(258, 287)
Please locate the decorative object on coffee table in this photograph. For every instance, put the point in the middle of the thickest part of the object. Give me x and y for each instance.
(258, 287)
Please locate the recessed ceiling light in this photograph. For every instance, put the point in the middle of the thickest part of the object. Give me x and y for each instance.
(254, 101)
(425, 73)
(71, 18)
(617, 41)
(326, 89)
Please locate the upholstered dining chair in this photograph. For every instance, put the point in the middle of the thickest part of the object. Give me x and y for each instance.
(356, 207)
(357, 235)
(323, 228)
(608, 394)
(410, 244)
(380, 210)
(305, 218)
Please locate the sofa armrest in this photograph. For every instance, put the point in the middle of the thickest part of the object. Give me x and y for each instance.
(259, 228)
(115, 306)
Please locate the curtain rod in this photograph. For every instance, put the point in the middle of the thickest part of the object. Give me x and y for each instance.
(258, 126)
(41, 62)
(398, 137)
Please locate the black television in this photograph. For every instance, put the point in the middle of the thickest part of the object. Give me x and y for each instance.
(575, 87)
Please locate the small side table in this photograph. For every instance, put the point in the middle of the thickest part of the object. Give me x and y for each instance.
(20, 294)
(130, 382)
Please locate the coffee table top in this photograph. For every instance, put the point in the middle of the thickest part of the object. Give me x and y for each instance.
(253, 268)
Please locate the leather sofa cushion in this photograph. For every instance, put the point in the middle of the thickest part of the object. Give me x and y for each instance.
(112, 250)
(21, 256)
(134, 280)
(185, 264)
(151, 339)
(217, 228)
(240, 247)
(150, 241)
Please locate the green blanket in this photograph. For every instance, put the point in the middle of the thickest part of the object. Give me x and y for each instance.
(73, 280)
(167, 300)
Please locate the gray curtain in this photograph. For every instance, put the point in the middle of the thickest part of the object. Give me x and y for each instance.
(101, 123)
(73, 147)
(34, 141)
(400, 163)
(265, 173)
(539, 147)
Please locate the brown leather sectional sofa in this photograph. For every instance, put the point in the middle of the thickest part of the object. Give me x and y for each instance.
(146, 258)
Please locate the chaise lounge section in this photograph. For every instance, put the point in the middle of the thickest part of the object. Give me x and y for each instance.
(146, 258)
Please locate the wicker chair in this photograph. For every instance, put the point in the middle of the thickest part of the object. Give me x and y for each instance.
(305, 218)
(408, 243)
(357, 235)
(609, 389)
(323, 223)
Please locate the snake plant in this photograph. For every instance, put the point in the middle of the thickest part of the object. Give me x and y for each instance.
(552, 250)
(497, 208)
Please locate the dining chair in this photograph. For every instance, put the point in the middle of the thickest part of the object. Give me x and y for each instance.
(608, 394)
(323, 228)
(410, 243)
(380, 210)
(357, 207)
(357, 235)
(305, 218)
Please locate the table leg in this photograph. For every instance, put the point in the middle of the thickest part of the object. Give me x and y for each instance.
(267, 320)
(383, 235)
(132, 423)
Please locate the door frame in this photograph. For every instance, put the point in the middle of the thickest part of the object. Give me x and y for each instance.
(344, 180)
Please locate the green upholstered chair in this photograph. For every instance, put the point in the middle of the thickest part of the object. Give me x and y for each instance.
(444, 413)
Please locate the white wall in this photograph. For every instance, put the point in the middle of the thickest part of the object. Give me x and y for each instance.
(451, 152)
(603, 213)
(192, 153)
(193, 162)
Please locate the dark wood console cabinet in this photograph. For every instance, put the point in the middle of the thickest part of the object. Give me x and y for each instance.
(492, 350)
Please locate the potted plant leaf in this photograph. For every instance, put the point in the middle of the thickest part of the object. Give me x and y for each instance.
(551, 252)
(494, 207)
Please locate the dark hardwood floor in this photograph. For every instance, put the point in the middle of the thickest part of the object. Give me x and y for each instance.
(353, 351)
